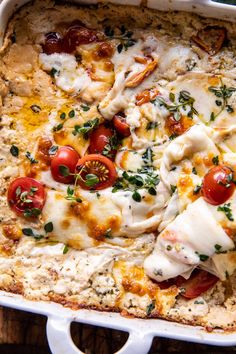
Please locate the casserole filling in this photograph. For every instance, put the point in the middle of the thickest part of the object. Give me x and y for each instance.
(118, 161)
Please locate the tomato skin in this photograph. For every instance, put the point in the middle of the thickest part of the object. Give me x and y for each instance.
(76, 35)
(216, 189)
(120, 125)
(99, 138)
(25, 184)
(90, 162)
(199, 282)
(66, 156)
(53, 43)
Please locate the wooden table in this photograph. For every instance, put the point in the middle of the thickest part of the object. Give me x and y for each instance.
(24, 333)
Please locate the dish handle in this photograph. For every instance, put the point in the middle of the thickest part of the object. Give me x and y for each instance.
(60, 341)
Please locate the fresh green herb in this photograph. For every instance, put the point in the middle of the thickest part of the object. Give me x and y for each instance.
(173, 188)
(108, 234)
(125, 38)
(199, 302)
(65, 249)
(218, 248)
(109, 32)
(53, 149)
(202, 257)
(215, 160)
(71, 114)
(148, 157)
(226, 274)
(152, 125)
(85, 108)
(71, 195)
(190, 64)
(63, 115)
(30, 157)
(111, 146)
(184, 101)
(91, 180)
(64, 170)
(32, 213)
(226, 208)
(169, 247)
(194, 171)
(48, 227)
(14, 151)
(35, 108)
(86, 128)
(223, 93)
(32, 191)
(173, 136)
(197, 189)
(150, 308)
(136, 196)
(54, 72)
(30, 232)
(57, 127)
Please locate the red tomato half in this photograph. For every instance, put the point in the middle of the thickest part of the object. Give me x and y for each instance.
(100, 142)
(53, 43)
(64, 163)
(96, 172)
(120, 125)
(218, 185)
(26, 193)
(76, 35)
(199, 282)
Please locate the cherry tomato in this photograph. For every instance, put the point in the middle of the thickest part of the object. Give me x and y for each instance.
(175, 127)
(26, 193)
(96, 172)
(199, 282)
(101, 142)
(76, 35)
(53, 43)
(63, 163)
(218, 185)
(120, 124)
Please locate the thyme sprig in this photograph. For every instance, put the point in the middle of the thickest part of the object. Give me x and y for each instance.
(223, 93)
(183, 100)
(125, 37)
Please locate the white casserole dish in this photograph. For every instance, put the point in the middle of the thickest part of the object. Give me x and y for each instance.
(141, 332)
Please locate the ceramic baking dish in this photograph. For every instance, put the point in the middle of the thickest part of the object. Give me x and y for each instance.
(141, 332)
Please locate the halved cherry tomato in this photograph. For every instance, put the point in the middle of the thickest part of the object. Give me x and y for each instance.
(218, 185)
(120, 124)
(199, 282)
(211, 38)
(146, 96)
(96, 172)
(101, 142)
(26, 193)
(76, 35)
(175, 127)
(53, 43)
(63, 163)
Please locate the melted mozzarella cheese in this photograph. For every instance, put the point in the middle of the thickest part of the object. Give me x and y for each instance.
(67, 227)
(195, 140)
(184, 245)
(68, 76)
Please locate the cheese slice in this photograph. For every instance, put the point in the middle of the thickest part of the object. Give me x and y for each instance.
(186, 243)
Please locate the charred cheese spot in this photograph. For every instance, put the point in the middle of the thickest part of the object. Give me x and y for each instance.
(13, 232)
